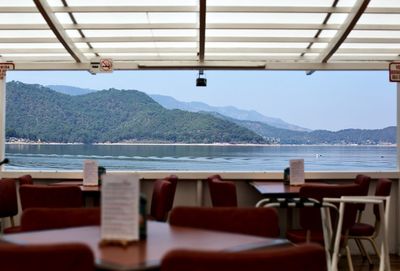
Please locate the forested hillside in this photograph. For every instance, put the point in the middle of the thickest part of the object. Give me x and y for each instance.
(38, 113)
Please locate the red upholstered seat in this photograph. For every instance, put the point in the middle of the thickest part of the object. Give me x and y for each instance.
(253, 221)
(163, 197)
(8, 199)
(52, 218)
(361, 229)
(60, 257)
(44, 196)
(222, 193)
(306, 257)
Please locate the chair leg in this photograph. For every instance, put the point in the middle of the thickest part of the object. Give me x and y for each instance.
(364, 253)
(372, 241)
(349, 260)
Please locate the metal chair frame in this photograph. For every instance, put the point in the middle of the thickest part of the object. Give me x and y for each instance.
(313, 203)
(384, 207)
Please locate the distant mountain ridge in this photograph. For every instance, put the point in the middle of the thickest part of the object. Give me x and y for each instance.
(110, 116)
(229, 111)
(132, 116)
(171, 103)
(274, 135)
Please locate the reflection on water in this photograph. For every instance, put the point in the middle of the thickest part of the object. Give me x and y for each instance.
(195, 157)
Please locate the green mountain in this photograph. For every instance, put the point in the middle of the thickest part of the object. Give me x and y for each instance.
(36, 112)
(346, 136)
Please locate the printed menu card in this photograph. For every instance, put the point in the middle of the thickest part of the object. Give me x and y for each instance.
(90, 175)
(120, 208)
(297, 172)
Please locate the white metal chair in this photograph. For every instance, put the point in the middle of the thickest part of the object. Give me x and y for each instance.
(384, 207)
(308, 202)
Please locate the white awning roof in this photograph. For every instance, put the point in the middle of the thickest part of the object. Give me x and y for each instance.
(201, 34)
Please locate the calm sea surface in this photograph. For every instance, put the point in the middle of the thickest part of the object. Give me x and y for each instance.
(206, 158)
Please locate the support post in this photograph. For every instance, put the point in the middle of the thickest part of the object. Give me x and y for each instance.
(2, 119)
(398, 164)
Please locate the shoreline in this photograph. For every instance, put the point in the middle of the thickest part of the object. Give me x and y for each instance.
(203, 144)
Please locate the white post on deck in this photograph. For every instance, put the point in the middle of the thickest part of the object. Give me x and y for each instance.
(2, 119)
(398, 166)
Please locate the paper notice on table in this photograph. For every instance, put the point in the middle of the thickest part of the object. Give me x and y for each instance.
(90, 175)
(120, 207)
(297, 172)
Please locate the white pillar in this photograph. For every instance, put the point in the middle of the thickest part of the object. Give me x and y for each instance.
(398, 126)
(2, 119)
(398, 167)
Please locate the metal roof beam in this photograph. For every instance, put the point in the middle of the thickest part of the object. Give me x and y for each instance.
(217, 65)
(194, 39)
(259, 50)
(342, 34)
(202, 29)
(58, 31)
(262, 9)
(383, 27)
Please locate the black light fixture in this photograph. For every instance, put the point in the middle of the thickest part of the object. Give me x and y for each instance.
(201, 81)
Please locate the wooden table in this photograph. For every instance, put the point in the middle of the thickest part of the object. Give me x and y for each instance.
(91, 188)
(276, 189)
(148, 253)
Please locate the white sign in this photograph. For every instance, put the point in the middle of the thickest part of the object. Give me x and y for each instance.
(297, 172)
(394, 72)
(90, 173)
(120, 207)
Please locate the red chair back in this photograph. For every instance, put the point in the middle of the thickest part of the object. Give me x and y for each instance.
(253, 221)
(8, 198)
(60, 257)
(363, 181)
(34, 219)
(44, 196)
(25, 180)
(163, 197)
(310, 218)
(305, 257)
(222, 193)
(383, 188)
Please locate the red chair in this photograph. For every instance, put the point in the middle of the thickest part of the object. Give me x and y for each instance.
(253, 221)
(305, 257)
(364, 182)
(363, 231)
(34, 219)
(25, 180)
(163, 198)
(8, 199)
(44, 196)
(60, 257)
(223, 193)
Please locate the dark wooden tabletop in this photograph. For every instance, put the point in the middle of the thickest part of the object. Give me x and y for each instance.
(84, 188)
(276, 189)
(148, 253)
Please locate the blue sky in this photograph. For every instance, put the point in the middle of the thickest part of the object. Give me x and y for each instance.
(331, 100)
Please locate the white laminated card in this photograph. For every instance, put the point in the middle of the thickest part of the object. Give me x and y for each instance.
(296, 171)
(120, 208)
(90, 174)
